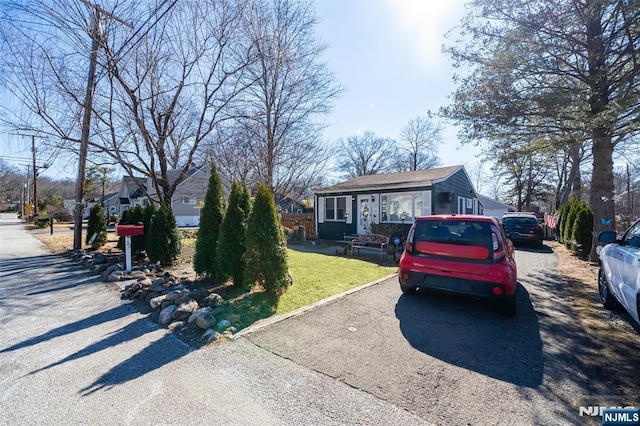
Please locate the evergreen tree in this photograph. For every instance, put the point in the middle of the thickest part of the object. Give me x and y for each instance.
(581, 232)
(204, 261)
(97, 225)
(568, 225)
(147, 215)
(265, 257)
(231, 243)
(163, 238)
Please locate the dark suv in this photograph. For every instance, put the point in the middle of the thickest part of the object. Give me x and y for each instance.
(460, 254)
(523, 228)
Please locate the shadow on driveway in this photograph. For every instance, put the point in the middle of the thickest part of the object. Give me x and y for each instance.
(464, 332)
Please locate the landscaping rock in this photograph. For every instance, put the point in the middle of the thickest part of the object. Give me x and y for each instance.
(205, 319)
(166, 315)
(199, 295)
(223, 325)
(157, 301)
(158, 285)
(184, 310)
(214, 300)
(176, 325)
(210, 336)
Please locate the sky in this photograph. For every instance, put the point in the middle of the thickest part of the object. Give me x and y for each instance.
(386, 54)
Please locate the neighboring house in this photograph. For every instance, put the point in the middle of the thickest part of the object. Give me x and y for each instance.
(108, 203)
(289, 205)
(188, 198)
(351, 207)
(494, 208)
(131, 194)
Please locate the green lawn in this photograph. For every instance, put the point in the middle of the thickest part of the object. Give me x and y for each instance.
(318, 276)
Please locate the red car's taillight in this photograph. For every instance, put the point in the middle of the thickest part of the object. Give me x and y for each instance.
(498, 249)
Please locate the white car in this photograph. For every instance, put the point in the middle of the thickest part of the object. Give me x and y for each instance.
(619, 276)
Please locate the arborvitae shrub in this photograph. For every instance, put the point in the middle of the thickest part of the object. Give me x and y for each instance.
(231, 243)
(97, 225)
(265, 258)
(164, 238)
(204, 260)
(568, 224)
(582, 231)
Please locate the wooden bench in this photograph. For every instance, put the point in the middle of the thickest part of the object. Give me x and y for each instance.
(371, 241)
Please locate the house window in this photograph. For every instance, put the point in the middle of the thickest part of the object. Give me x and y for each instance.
(401, 207)
(189, 200)
(335, 207)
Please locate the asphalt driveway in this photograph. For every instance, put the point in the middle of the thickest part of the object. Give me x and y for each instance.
(451, 360)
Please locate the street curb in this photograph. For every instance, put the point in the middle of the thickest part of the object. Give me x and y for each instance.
(277, 318)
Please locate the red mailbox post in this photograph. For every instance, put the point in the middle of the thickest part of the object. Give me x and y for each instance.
(127, 231)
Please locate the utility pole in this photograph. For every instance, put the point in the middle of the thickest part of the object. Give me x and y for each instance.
(35, 179)
(96, 35)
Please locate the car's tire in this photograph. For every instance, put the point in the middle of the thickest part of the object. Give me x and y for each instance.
(408, 290)
(607, 298)
(508, 307)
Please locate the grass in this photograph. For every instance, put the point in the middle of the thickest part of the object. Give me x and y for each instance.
(318, 276)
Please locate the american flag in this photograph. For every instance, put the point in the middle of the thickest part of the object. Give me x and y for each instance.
(551, 221)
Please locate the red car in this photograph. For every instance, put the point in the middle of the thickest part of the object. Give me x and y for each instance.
(460, 254)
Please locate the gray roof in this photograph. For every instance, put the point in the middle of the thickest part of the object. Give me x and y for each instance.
(419, 178)
(491, 204)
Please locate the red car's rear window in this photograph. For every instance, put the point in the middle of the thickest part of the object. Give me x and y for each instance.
(452, 250)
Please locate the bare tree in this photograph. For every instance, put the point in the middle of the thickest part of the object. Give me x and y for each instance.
(169, 94)
(290, 89)
(419, 140)
(365, 154)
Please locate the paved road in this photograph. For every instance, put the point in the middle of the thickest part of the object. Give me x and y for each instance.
(72, 353)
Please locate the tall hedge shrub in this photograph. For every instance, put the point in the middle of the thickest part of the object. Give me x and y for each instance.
(265, 258)
(568, 223)
(147, 216)
(97, 225)
(231, 243)
(204, 260)
(582, 229)
(164, 238)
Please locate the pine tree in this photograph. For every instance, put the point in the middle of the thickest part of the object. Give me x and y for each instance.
(265, 258)
(231, 243)
(204, 261)
(164, 238)
(97, 225)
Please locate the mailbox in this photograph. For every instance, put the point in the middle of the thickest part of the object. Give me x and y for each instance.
(125, 230)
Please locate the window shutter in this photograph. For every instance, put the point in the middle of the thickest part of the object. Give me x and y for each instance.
(320, 209)
(348, 210)
(426, 203)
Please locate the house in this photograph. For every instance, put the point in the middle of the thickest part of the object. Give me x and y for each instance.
(189, 196)
(352, 207)
(131, 194)
(495, 208)
(108, 203)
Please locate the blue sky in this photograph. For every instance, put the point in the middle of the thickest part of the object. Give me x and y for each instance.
(387, 55)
